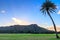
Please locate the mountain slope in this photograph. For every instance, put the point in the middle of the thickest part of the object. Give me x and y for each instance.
(33, 28)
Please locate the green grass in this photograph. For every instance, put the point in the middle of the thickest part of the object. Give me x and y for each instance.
(28, 37)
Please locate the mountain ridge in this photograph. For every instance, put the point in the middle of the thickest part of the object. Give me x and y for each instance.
(33, 28)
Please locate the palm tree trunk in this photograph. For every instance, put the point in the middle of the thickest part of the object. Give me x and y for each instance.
(53, 24)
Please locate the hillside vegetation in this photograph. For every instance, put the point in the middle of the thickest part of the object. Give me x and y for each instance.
(33, 28)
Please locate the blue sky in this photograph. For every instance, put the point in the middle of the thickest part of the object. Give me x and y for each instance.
(12, 11)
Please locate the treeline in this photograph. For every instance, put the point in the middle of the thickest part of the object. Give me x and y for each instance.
(33, 28)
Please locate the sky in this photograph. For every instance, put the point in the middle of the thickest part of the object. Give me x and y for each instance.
(26, 12)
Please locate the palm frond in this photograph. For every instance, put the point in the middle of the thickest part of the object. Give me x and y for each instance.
(48, 5)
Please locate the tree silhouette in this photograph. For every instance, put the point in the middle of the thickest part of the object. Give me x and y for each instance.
(47, 8)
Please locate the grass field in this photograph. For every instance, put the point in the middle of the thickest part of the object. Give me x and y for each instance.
(28, 37)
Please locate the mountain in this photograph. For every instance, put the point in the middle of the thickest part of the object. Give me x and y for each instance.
(33, 28)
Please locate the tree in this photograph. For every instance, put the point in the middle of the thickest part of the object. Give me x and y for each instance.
(47, 8)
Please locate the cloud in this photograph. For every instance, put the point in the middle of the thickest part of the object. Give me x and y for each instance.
(58, 12)
(52, 28)
(57, 7)
(3, 11)
(7, 24)
(16, 21)
(20, 22)
(45, 25)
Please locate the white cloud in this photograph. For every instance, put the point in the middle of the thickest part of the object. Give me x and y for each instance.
(20, 22)
(7, 24)
(16, 21)
(57, 7)
(3, 11)
(52, 28)
(45, 25)
(58, 12)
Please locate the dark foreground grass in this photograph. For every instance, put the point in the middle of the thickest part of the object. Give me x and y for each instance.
(28, 37)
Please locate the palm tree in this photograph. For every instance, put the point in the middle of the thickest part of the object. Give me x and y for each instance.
(47, 8)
